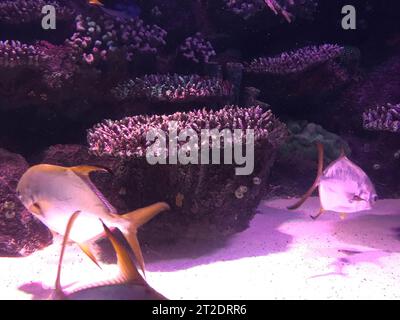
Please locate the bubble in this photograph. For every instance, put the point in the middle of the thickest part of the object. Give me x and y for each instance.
(377, 166)
(243, 189)
(257, 180)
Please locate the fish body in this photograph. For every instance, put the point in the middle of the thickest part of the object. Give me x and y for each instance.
(53, 193)
(130, 285)
(59, 192)
(125, 291)
(343, 187)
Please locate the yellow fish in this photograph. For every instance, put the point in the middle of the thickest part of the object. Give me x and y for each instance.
(130, 285)
(96, 3)
(53, 193)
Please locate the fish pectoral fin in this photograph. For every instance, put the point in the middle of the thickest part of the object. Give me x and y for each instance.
(85, 247)
(303, 199)
(71, 221)
(129, 272)
(134, 243)
(86, 170)
(320, 212)
(36, 209)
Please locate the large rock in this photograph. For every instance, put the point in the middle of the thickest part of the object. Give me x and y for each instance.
(20, 232)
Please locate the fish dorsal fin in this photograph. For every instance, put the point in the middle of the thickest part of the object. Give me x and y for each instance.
(59, 292)
(320, 169)
(129, 272)
(342, 152)
(86, 170)
(83, 172)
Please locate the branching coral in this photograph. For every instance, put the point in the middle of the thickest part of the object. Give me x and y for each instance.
(14, 53)
(295, 61)
(197, 49)
(173, 88)
(96, 39)
(383, 118)
(26, 11)
(207, 201)
(285, 8)
(127, 137)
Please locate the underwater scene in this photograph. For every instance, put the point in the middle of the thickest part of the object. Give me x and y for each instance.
(199, 149)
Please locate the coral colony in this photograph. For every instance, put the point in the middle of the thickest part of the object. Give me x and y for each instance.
(383, 118)
(14, 53)
(295, 61)
(173, 87)
(101, 38)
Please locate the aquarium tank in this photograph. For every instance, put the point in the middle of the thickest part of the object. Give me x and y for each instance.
(199, 150)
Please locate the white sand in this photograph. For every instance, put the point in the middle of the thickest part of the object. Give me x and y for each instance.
(283, 255)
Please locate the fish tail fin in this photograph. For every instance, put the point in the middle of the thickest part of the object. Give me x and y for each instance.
(129, 272)
(136, 219)
(320, 169)
(59, 292)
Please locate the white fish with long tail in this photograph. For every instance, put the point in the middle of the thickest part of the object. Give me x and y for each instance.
(53, 193)
(343, 187)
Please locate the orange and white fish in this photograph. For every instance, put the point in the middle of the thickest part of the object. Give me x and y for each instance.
(95, 2)
(130, 285)
(53, 193)
(343, 187)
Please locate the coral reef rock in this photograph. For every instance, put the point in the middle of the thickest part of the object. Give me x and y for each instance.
(20, 232)
(207, 200)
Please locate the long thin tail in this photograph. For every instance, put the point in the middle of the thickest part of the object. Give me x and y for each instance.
(59, 292)
(303, 199)
(136, 219)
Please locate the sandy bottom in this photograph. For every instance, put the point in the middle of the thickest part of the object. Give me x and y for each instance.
(282, 255)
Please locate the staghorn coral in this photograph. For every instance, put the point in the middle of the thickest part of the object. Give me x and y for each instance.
(208, 201)
(27, 11)
(383, 118)
(126, 138)
(98, 38)
(197, 49)
(14, 53)
(286, 8)
(173, 88)
(295, 61)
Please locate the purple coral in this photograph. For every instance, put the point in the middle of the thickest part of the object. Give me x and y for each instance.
(96, 39)
(383, 118)
(173, 88)
(26, 11)
(126, 138)
(197, 49)
(295, 61)
(14, 53)
(285, 8)
(245, 8)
